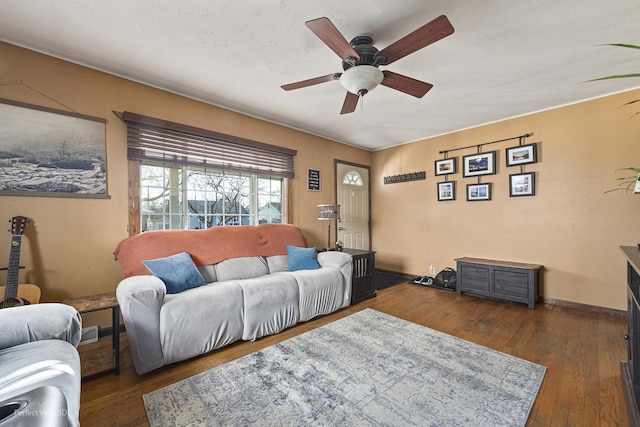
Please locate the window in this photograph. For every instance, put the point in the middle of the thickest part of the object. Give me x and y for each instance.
(175, 197)
(186, 177)
(352, 178)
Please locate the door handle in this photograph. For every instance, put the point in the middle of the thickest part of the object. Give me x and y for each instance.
(340, 228)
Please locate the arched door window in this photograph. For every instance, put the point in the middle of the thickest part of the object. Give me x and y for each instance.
(352, 178)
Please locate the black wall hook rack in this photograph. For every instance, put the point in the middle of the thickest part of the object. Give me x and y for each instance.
(405, 177)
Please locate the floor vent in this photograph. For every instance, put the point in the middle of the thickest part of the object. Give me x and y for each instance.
(89, 335)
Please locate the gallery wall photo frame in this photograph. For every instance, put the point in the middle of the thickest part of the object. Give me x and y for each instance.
(445, 166)
(48, 152)
(478, 192)
(521, 154)
(446, 191)
(522, 184)
(479, 164)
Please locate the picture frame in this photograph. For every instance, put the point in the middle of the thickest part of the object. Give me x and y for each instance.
(478, 192)
(313, 180)
(445, 166)
(446, 191)
(53, 153)
(522, 184)
(479, 164)
(521, 155)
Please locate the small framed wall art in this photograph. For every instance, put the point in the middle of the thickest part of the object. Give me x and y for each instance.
(445, 166)
(521, 155)
(522, 184)
(313, 180)
(446, 191)
(476, 192)
(479, 164)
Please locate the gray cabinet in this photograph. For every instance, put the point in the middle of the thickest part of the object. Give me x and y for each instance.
(630, 368)
(509, 281)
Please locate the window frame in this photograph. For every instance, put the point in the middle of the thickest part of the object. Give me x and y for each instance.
(154, 140)
(254, 216)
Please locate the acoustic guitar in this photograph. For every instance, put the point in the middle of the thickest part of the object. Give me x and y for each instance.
(14, 294)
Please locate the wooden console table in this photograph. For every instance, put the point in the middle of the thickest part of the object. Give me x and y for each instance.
(363, 281)
(510, 281)
(102, 302)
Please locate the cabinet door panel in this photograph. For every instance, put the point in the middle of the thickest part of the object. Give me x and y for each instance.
(511, 283)
(475, 278)
(634, 342)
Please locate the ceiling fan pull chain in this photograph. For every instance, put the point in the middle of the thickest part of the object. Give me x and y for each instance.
(362, 104)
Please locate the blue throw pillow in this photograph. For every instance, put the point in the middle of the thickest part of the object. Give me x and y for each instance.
(178, 272)
(302, 258)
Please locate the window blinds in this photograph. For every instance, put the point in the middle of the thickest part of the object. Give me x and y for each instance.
(156, 140)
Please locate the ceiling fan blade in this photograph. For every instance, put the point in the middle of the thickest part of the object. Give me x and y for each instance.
(311, 82)
(329, 34)
(429, 33)
(405, 84)
(350, 103)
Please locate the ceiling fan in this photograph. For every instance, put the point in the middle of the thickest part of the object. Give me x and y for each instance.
(360, 60)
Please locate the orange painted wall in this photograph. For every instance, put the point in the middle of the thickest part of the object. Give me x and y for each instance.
(568, 226)
(68, 247)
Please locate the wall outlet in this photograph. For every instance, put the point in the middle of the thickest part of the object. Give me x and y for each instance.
(432, 269)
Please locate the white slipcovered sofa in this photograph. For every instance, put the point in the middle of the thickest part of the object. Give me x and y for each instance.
(248, 291)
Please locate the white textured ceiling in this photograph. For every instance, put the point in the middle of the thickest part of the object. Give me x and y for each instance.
(505, 59)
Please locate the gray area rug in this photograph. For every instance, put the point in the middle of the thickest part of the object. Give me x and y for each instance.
(367, 369)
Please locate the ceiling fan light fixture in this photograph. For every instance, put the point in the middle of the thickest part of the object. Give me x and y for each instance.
(361, 79)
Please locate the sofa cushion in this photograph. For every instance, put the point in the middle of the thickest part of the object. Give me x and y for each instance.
(302, 258)
(199, 320)
(241, 268)
(321, 291)
(270, 304)
(178, 272)
(208, 272)
(277, 263)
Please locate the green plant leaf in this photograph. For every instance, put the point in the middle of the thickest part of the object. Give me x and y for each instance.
(630, 168)
(631, 46)
(621, 76)
(628, 182)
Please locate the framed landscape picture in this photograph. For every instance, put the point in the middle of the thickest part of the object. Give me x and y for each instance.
(476, 192)
(47, 152)
(521, 155)
(445, 166)
(446, 190)
(479, 164)
(522, 184)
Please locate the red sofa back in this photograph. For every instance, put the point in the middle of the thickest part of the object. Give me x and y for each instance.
(207, 246)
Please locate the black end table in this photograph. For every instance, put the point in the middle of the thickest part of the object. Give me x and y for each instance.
(364, 274)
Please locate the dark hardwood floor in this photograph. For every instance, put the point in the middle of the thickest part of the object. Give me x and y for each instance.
(582, 351)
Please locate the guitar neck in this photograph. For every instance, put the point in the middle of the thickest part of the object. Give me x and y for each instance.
(11, 290)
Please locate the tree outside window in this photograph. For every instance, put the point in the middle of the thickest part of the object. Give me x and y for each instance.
(177, 197)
